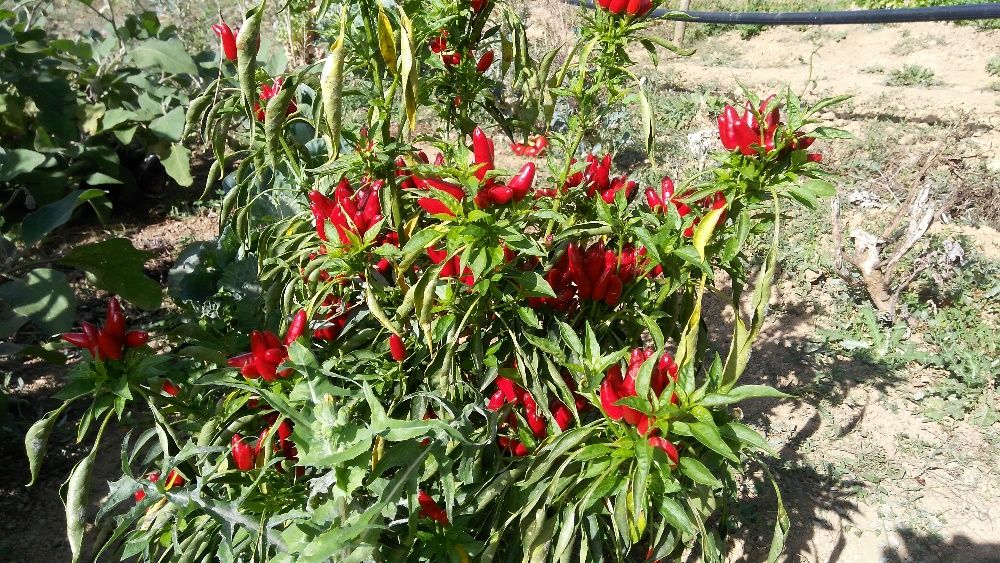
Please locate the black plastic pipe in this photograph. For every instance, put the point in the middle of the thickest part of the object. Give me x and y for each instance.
(901, 15)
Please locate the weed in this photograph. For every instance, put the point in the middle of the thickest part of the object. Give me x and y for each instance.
(912, 75)
(993, 67)
(911, 44)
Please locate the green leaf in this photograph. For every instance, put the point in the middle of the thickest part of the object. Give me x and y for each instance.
(830, 133)
(743, 433)
(117, 266)
(45, 219)
(44, 297)
(169, 56)
(116, 116)
(544, 345)
(77, 500)
(570, 337)
(178, 164)
(820, 188)
(742, 393)
(169, 126)
(698, 473)
(36, 441)
(709, 435)
(15, 162)
(828, 102)
(674, 513)
(781, 525)
(534, 284)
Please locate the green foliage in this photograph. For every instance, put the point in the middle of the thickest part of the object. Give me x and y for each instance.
(474, 364)
(85, 122)
(912, 75)
(961, 331)
(993, 66)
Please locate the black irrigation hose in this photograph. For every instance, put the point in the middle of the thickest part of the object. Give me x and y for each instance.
(901, 15)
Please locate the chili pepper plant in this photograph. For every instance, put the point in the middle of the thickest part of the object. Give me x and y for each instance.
(457, 355)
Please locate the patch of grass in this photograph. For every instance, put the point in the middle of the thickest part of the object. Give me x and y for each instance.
(911, 44)
(960, 323)
(993, 67)
(912, 75)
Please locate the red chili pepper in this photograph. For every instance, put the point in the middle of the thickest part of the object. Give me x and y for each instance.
(561, 414)
(618, 7)
(485, 62)
(431, 509)
(228, 38)
(638, 7)
(483, 152)
(78, 339)
(243, 453)
(501, 195)
(667, 447)
(170, 388)
(114, 323)
(296, 328)
(136, 338)
(440, 43)
(397, 348)
(521, 183)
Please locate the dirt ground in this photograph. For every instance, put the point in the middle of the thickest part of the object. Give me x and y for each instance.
(865, 476)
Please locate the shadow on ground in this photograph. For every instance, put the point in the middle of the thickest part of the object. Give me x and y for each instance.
(917, 546)
(818, 499)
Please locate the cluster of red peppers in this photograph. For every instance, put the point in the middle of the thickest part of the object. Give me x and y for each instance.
(634, 8)
(439, 46)
(493, 193)
(755, 130)
(453, 268)
(268, 91)
(250, 454)
(657, 203)
(335, 321)
(616, 387)
(535, 146)
(267, 352)
(597, 274)
(110, 341)
(348, 211)
(596, 179)
(429, 204)
(510, 393)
